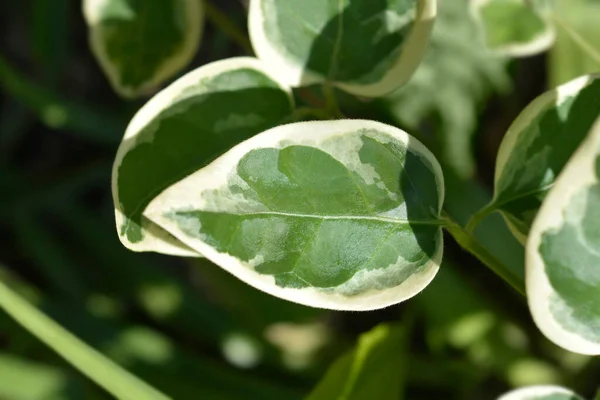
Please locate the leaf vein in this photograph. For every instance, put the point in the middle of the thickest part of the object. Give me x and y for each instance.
(340, 217)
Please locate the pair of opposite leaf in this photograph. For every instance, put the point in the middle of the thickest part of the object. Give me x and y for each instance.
(265, 216)
(337, 214)
(364, 47)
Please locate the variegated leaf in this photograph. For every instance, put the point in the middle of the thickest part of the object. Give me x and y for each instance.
(365, 47)
(563, 254)
(376, 368)
(338, 214)
(537, 146)
(140, 44)
(183, 128)
(512, 27)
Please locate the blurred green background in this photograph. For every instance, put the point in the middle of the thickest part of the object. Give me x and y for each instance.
(187, 327)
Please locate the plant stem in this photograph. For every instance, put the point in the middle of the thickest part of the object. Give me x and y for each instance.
(226, 25)
(468, 242)
(117, 381)
(478, 217)
(331, 103)
(579, 40)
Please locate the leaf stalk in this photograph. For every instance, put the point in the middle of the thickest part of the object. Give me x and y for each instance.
(479, 216)
(331, 102)
(468, 242)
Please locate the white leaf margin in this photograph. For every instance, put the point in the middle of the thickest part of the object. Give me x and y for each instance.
(542, 103)
(295, 75)
(577, 174)
(542, 42)
(194, 25)
(184, 195)
(156, 239)
(536, 393)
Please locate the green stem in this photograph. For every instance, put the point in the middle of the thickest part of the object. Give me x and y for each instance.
(579, 40)
(226, 25)
(468, 242)
(115, 380)
(331, 102)
(478, 217)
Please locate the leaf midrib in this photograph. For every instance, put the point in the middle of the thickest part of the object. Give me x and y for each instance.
(499, 205)
(333, 62)
(337, 217)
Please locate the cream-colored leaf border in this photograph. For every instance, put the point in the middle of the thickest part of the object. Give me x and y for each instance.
(192, 31)
(295, 75)
(578, 174)
(542, 42)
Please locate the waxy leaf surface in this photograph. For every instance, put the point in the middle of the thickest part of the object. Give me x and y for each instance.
(512, 27)
(183, 128)
(366, 47)
(563, 254)
(538, 145)
(139, 44)
(375, 369)
(542, 392)
(338, 214)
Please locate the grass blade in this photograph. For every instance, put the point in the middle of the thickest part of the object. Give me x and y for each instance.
(98, 368)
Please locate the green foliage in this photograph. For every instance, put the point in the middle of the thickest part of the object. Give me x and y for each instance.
(577, 48)
(561, 254)
(139, 44)
(114, 379)
(511, 27)
(569, 29)
(226, 168)
(368, 370)
(366, 47)
(536, 148)
(23, 379)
